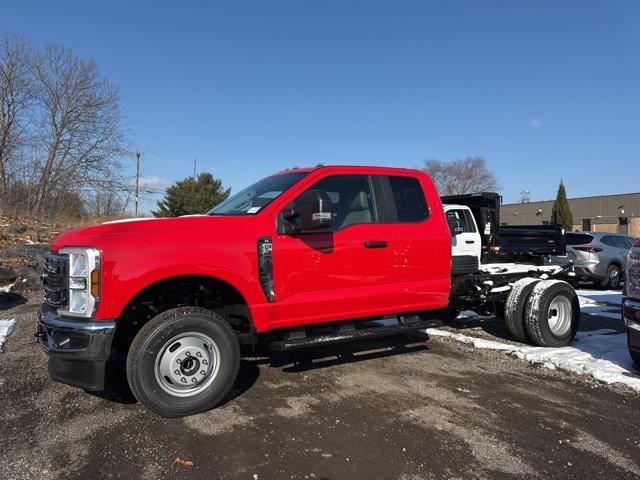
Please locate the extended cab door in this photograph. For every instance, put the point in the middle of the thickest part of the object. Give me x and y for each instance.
(337, 273)
(419, 242)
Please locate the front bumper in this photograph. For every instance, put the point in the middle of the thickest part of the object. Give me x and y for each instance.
(631, 317)
(78, 350)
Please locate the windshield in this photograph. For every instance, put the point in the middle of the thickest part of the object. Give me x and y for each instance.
(254, 198)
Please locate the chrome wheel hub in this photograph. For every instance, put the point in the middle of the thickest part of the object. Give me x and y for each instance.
(559, 315)
(187, 364)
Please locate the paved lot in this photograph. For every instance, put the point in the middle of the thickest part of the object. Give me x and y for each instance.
(438, 409)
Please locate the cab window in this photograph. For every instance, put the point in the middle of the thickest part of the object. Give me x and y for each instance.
(409, 199)
(351, 199)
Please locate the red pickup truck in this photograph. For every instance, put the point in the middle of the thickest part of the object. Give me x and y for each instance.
(302, 258)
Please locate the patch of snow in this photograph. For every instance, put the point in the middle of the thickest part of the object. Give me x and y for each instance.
(599, 296)
(495, 268)
(604, 303)
(28, 241)
(601, 354)
(503, 288)
(6, 327)
(615, 316)
(7, 288)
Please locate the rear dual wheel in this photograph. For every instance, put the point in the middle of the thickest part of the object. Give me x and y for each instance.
(552, 314)
(543, 312)
(514, 309)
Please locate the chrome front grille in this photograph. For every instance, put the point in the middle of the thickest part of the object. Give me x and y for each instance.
(54, 280)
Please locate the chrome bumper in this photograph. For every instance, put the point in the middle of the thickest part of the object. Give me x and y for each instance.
(78, 350)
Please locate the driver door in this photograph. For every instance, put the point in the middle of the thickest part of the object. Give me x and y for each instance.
(336, 273)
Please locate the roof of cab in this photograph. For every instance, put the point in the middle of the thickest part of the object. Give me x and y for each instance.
(364, 168)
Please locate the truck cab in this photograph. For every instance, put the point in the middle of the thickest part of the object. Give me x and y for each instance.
(323, 249)
(466, 242)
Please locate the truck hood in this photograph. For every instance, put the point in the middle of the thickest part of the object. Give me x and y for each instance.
(98, 235)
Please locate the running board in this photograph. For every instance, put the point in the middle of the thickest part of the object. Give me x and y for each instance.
(409, 324)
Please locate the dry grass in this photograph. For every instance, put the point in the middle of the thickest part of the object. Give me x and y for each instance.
(19, 230)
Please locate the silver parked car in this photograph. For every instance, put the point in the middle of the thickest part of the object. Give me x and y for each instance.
(599, 256)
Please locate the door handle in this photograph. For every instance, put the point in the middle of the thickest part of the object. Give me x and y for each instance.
(470, 241)
(376, 244)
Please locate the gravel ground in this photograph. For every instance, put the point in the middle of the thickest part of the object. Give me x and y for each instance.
(386, 409)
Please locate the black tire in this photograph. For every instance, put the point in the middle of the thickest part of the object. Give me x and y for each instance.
(613, 279)
(538, 313)
(634, 354)
(514, 310)
(152, 340)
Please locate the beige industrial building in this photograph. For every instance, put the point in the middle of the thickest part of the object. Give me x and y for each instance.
(604, 213)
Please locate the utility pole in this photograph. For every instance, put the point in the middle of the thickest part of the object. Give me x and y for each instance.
(137, 180)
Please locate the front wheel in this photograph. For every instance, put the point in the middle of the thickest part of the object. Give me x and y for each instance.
(183, 361)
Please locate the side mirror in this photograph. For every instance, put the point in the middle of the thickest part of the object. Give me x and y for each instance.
(311, 211)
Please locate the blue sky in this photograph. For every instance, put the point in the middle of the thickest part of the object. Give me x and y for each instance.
(543, 89)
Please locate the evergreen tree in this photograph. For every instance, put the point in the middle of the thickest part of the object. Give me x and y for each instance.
(191, 196)
(561, 212)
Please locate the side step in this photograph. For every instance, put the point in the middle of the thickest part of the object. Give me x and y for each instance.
(373, 330)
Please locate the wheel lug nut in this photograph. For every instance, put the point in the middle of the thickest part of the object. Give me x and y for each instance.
(204, 362)
(198, 354)
(187, 353)
(183, 380)
(202, 372)
(193, 380)
(177, 371)
(178, 361)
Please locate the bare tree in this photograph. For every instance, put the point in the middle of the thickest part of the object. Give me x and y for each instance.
(80, 128)
(464, 175)
(105, 203)
(16, 97)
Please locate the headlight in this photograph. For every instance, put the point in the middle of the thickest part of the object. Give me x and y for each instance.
(83, 281)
